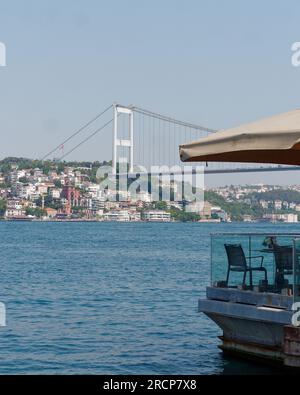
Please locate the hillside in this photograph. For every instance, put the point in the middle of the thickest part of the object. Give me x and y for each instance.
(235, 209)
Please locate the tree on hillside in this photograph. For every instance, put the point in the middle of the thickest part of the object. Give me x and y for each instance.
(2, 207)
(235, 209)
(278, 194)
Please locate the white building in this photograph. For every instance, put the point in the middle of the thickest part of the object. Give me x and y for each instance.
(94, 190)
(14, 208)
(55, 193)
(120, 216)
(290, 218)
(98, 205)
(278, 204)
(16, 174)
(157, 216)
(29, 191)
(14, 212)
(24, 191)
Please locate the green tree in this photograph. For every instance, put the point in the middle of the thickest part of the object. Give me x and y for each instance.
(58, 184)
(49, 202)
(184, 216)
(2, 207)
(36, 212)
(160, 205)
(235, 209)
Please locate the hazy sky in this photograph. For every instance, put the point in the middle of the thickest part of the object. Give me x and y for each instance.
(216, 63)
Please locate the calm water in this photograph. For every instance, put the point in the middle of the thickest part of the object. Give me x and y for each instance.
(110, 298)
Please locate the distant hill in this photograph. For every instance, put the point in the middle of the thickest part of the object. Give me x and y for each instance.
(236, 209)
(26, 163)
(278, 194)
(89, 168)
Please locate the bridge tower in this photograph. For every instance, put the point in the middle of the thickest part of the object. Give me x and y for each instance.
(125, 142)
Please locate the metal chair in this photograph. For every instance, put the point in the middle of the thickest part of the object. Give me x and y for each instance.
(283, 263)
(237, 262)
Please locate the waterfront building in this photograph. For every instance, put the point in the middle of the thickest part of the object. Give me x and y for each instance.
(221, 214)
(71, 194)
(135, 216)
(97, 206)
(117, 215)
(157, 216)
(290, 218)
(51, 212)
(14, 208)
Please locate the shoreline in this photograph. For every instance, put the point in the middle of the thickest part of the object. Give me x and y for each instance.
(97, 220)
(141, 221)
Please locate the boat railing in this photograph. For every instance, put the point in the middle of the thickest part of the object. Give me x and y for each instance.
(257, 262)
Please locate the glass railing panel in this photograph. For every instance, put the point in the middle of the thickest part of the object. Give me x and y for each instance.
(269, 256)
(283, 254)
(219, 259)
(261, 259)
(296, 270)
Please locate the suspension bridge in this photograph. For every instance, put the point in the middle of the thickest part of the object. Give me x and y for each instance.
(148, 140)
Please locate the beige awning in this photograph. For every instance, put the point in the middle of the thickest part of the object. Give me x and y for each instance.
(270, 140)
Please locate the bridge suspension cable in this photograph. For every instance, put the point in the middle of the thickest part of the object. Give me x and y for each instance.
(86, 139)
(172, 120)
(153, 141)
(76, 133)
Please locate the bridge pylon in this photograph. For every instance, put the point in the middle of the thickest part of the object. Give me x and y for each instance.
(122, 142)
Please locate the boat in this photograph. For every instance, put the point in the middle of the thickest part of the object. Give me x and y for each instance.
(254, 292)
(253, 295)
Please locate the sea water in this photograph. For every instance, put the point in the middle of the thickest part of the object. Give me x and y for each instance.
(111, 298)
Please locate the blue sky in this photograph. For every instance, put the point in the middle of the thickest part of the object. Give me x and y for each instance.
(212, 62)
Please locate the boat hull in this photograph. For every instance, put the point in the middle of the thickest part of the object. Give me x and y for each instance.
(255, 325)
